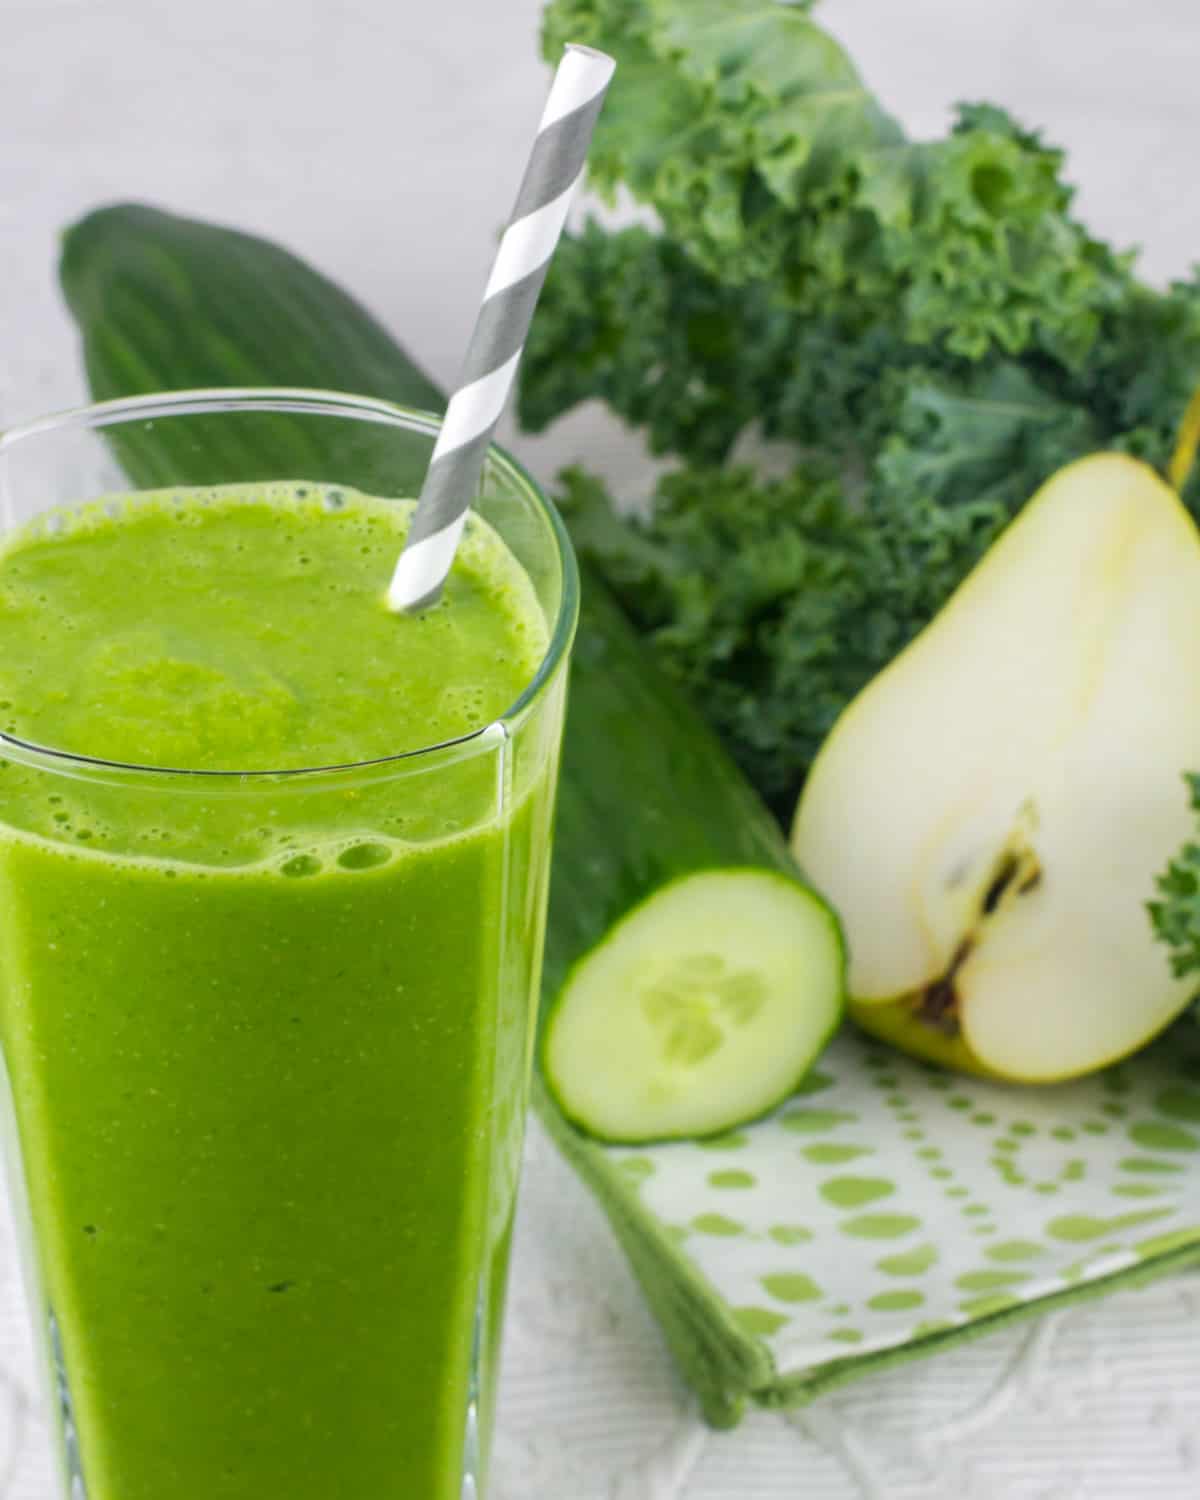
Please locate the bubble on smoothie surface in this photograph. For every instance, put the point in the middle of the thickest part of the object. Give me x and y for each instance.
(365, 856)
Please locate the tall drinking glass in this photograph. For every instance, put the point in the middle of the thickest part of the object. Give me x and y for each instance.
(267, 1034)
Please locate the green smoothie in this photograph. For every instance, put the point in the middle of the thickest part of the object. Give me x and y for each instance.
(267, 1036)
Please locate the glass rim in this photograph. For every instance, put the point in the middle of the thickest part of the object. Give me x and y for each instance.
(301, 399)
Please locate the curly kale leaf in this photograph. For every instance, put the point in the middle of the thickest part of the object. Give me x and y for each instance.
(1176, 913)
(1140, 374)
(627, 318)
(991, 437)
(748, 129)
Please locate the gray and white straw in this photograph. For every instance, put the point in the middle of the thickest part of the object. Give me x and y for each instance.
(551, 177)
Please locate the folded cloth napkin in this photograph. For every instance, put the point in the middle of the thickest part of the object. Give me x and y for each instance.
(889, 1209)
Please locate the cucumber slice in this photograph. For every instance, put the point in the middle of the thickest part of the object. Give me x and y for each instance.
(703, 1008)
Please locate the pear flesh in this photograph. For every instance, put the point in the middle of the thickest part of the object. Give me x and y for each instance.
(989, 815)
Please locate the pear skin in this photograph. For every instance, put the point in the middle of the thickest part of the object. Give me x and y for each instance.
(895, 1023)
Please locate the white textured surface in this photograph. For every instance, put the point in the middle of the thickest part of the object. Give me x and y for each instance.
(383, 139)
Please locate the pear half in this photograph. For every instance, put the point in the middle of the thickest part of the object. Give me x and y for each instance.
(989, 814)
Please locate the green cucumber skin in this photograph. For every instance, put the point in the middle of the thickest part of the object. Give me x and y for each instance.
(166, 303)
(647, 793)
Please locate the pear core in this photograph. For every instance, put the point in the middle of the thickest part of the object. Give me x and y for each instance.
(989, 814)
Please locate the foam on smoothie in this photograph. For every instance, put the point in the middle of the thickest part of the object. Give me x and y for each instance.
(244, 628)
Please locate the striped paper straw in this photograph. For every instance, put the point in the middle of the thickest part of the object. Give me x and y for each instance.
(551, 177)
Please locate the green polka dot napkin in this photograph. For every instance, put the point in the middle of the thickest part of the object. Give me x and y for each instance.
(890, 1208)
